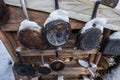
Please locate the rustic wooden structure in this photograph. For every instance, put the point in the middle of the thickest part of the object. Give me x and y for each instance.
(73, 70)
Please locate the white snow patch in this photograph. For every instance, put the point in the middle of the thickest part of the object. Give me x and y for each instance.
(93, 64)
(60, 78)
(28, 24)
(35, 78)
(18, 49)
(100, 22)
(114, 75)
(57, 15)
(6, 72)
(83, 63)
(85, 78)
(115, 35)
(46, 65)
(95, 0)
(110, 61)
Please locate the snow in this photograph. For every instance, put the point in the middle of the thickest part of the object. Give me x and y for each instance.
(6, 72)
(18, 49)
(94, 0)
(60, 78)
(93, 64)
(83, 63)
(115, 35)
(28, 24)
(100, 22)
(85, 78)
(46, 65)
(35, 78)
(57, 15)
(114, 75)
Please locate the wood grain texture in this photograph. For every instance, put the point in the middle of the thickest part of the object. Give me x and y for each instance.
(69, 52)
(8, 45)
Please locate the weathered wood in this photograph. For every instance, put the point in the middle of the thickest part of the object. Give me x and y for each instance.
(65, 52)
(98, 57)
(73, 72)
(54, 77)
(73, 63)
(106, 34)
(11, 39)
(77, 9)
(92, 57)
(8, 45)
(110, 3)
(103, 62)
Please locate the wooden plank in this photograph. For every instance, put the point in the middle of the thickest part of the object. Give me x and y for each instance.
(73, 71)
(54, 77)
(98, 57)
(8, 45)
(10, 27)
(49, 59)
(77, 9)
(72, 63)
(65, 52)
(11, 39)
(106, 34)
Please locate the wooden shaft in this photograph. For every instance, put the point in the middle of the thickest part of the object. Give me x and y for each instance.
(24, 9)
(56, 5)
(95, 9)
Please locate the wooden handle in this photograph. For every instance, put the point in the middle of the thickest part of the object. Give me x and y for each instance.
(57, 56)
(42, 59)
(95, 9)
(24, 9)
(18, 50)
(56, 5)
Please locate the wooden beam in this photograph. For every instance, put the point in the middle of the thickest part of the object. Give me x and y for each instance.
(8, 45)
(65, 52)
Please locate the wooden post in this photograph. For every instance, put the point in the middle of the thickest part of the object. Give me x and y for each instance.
(8, 45)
